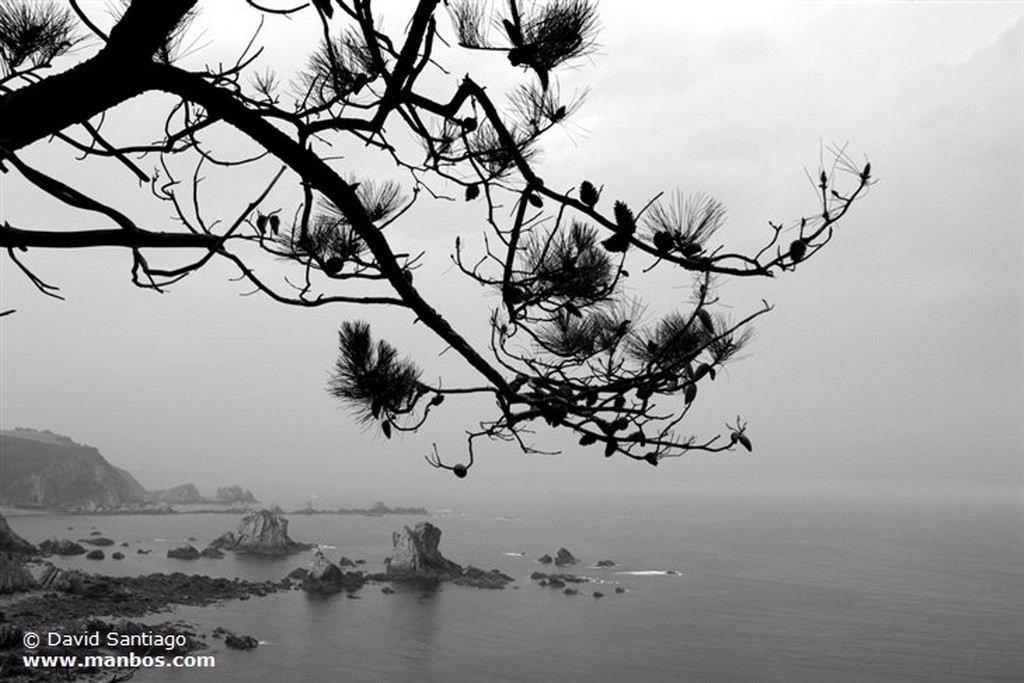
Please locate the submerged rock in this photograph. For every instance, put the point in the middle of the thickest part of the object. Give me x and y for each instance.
(545, 559)
(605, 563)
(261, 532)
(478, 578)
(211, 552)
(99, 541)
(96, 554)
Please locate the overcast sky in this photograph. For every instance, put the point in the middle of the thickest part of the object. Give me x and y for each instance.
(893, 357)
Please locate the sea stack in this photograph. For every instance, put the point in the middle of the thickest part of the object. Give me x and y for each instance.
(262, 533)
(415, 556)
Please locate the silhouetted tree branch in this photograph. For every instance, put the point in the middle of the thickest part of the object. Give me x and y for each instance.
(568, 346)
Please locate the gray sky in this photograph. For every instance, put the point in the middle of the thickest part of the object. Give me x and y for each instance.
(894, 356)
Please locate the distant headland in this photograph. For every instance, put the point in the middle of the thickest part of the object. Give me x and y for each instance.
(43, 470)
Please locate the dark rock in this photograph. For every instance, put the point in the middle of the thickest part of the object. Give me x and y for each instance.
(96, 533)
(598, 594)
(238, 642)
(96, 554)
(323, 576)
(100, 541)
(298, 574)
(185, 552)
(556, 583)
(263, 533)
(571, 591)
(191, 539)
(387, 590)
(118, 555)
(620, 589)
(211, 552)
(124, 544)
(563, 578)
(564, 558)
(478, 578)
(415, 556)
(143, 551)
(605, 563)
(545, 559)
(61, 547)
(345, 562)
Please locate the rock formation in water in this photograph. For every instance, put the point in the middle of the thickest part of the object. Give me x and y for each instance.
(415, 556)
(564, 558)
(185, 552)
(98, 541)
(478, 578)
(261, 532)
(324, 576)
(46, 470)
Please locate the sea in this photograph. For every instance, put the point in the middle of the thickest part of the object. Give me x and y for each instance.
(718, 587)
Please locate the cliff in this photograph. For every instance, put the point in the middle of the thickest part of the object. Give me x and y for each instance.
(45, 470)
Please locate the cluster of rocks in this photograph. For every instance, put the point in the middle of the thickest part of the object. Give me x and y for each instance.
(562, 581)
(563, 558)
(190, 552)
(415, 560)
